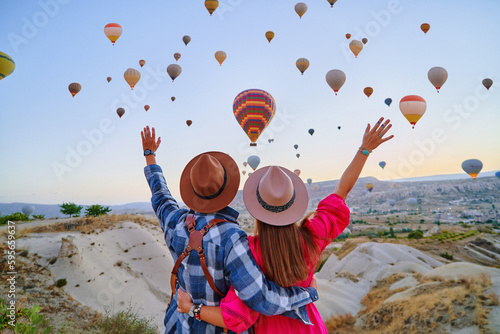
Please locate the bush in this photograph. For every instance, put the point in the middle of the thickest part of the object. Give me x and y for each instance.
(127, 322)
(26, 320)
(71, 209)
(16, 216)
(447, 256)
(415, 235)
(61, 282)
(96, 210)
(40, 217)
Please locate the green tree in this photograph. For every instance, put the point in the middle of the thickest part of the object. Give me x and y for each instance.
(391, 233)
(416, 235)
(71, 209)
(96, 210)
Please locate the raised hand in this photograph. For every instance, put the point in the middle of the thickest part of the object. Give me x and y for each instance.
(148, 139)
(373, 137)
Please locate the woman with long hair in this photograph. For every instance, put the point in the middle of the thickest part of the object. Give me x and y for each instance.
(287, 251)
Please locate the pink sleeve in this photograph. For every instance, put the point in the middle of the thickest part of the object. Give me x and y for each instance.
(331, 218)
(237, 316)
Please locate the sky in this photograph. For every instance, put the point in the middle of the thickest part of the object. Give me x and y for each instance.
(55, 148)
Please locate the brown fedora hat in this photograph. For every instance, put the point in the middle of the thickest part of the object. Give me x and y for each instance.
(275, 196)
(209, 182)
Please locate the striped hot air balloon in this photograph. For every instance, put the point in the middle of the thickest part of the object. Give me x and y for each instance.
(356, 47)
(302, 64)
(369, 186)
(132, 77)
(7, 65)
(113, 31)
(254, 109)
(177, 56)
(412, 107)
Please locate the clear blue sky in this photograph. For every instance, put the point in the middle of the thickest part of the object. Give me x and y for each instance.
(57, 42)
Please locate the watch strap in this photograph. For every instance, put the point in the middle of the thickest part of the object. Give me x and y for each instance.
(149, 152)
(191, 310)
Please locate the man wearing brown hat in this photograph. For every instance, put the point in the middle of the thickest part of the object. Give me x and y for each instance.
(208, 184)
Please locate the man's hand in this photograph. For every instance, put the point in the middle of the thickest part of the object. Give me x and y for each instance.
(149, 143)
(184, 301)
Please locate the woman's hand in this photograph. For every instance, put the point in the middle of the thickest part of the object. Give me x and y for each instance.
(148, 139)
(373, 137)
(184, 301)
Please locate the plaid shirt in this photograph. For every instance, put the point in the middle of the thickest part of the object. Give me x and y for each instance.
(229, 261)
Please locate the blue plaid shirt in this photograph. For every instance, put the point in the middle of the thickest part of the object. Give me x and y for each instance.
(229, 261)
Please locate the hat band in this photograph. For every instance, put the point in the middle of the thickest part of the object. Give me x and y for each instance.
(218, 192)
(275, 208)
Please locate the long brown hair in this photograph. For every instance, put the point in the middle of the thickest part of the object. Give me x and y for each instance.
(284, 260)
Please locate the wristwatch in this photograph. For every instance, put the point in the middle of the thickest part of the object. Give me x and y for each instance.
(364, 151)
(149, 152)
(197, 311)
(191, 310)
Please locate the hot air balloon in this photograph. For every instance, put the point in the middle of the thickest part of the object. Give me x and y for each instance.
(302, 64)
(497, 174)
(211, 5)
(254, 109)
(388, 101)
(437, 76)
(412, 201)
(142, 62)
(309, 181)
(244, 172)
(347, 36)
(74, 88)
(120, 112)
(412, 107)
(7, 65)
(331, 2)
(382, 164)
(338, 127)
(146, 107)
(369, 187)
(364, 40)
(487, 83)
(253, 161)
(392, 202)
(300, 9)
(132, 77)
(270, 140)
(113, 31)
(269, 35)
(311, 131)
(297, 155)
(177, 56)
(189, 122)
(186, 39)
(28, 210)
(297, 172)
(335, 79)
(174, 71)
(356, 47)
(414, 192)
(368, 91)
(245, 163)
(295, 146)
(173, 98)
(108, 78)
(472, 167)
(220, 56)
(425, 27)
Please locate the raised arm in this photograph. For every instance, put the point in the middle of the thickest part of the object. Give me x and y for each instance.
(372, 138)
(149, 143)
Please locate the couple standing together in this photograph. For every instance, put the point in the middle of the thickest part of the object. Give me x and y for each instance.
(239, 283)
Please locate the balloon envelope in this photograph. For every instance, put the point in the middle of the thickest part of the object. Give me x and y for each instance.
(302, 64)
(356, 47)
(7, 65)
(364, 40)
(392, 202)
(120, 112)
(220, 56)
(472, 167)
(487, 83)
(269, 35)
(309, 181)
(497, 174)
(243, 172)
(28, 210)
(300, 9)
(142, 62)
(382, 164)
(174, 71)
(388, 101)
(425, 27)
(132, 77)
(253, 161)
(113, 31)
(297, 172)
(245, 163)
(335, 79)
(369, 187)
(412, 201)
(347, 36)
(146, 107)
(368, 91)
(297, 155)
(254, 109)
(186, 39)
(332, 2)
(295, 146)
(211, 5)
(437, 76)
(74, 88)
(189, 122)
(311, 131)
(108, 78)
(173, 98)
(177, 56)
(412, 107)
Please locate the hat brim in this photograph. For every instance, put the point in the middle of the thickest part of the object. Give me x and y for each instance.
(287, 217)
(224, 198)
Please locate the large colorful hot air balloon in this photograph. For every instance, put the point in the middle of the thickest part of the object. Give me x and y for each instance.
(425, 27)
(211, 5)
(108, 78)
(382, 164)
(472, 167)
(174, 71)
(364, 40)
(309, 181)
(356, 47)
(186, 39)
(412, 107)
(497, 174)
(300, 9)
(295, 146)
(132, 77)
(311, 131)
(177, 56)
(120, 112)
(369, 187)
(74, 88)
(331, 2)
(388, 101)
(7, 65)
(220, 56)
(189, 122)
(269, 35)
(113, 31)
(254, 109)
(368, 91)
(297, 172)
(302, 64)
(146, 107)
(253, 161)
(487, 83)
(335, 79)
(347, 36)
(437, 76)
(142, 62)
(412, 201)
